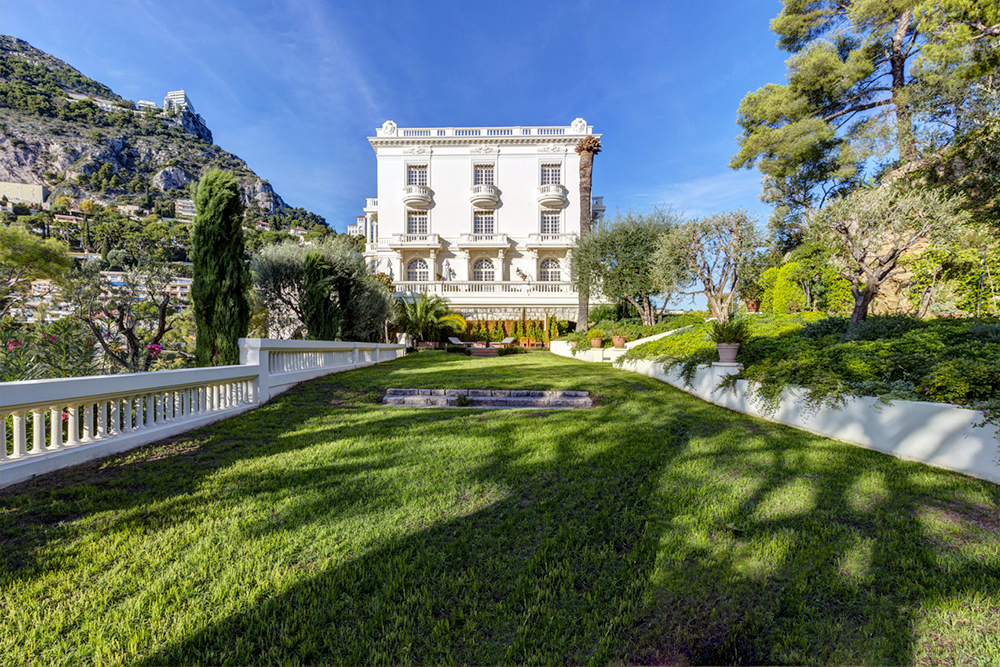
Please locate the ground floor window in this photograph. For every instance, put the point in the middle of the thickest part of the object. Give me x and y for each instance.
(483, 270)
(550, 271)
(417, 270)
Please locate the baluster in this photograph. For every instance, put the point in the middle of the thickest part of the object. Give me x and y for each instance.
(102, 419)
(127, 417)
(38, 431)
(150, 410)
(20, 443)
(72, 425)
(114, 425)
(88, 422)
(56, 438)
(159, 409)
(3, 437)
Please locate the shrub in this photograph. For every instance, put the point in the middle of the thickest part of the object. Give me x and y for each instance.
(513, 349)
(884, 327)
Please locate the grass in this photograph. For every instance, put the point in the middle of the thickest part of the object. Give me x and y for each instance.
(324, 528)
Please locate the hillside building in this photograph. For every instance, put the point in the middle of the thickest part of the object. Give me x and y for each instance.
(486, 217)
(358, 228)
(25, 193)
(177, 99)
(184, 209)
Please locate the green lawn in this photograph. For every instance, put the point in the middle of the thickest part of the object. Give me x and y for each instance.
(324, 528)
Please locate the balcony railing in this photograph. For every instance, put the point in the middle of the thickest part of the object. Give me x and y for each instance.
(371, 203)
(417, 196)
(483, 241)
(484, 287)
(551, 240)
(552, 196)
(485, 196)
(412, 241)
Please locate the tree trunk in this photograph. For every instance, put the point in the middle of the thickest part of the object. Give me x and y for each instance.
(862, 299)
(586, 174)
(904, 118)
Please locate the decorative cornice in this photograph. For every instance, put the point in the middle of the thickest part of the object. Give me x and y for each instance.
(552, 149)
(390, 142)
(418, 150)
(484, 149)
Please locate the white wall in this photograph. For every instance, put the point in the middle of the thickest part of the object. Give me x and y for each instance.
(937, 434)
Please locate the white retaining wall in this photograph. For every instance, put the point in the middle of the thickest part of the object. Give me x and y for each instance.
(938, 434)
(61, 422)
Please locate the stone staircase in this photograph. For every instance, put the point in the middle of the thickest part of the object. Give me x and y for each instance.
(487, 398)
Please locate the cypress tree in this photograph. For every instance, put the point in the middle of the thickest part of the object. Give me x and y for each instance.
(221, 279)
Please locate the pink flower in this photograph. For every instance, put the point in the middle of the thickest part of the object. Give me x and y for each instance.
(154, 349)
(13, 345)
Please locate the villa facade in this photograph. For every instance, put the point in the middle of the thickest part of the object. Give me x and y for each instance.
(486, 217)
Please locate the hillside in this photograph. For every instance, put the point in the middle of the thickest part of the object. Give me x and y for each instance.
(53, 132)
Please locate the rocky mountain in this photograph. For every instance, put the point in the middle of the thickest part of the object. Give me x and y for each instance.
(78, 138)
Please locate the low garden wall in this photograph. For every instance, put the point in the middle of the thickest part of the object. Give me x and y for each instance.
(52, 424)
(937, 434)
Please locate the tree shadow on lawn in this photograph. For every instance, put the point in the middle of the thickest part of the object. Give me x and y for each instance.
(550, 570)
(820, 553)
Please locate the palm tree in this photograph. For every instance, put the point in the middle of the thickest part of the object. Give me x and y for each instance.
(423, 316)
(587, 147)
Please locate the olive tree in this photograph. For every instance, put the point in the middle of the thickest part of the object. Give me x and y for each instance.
(617, 259)
(872, 228)
(706, 256)
(281, 288)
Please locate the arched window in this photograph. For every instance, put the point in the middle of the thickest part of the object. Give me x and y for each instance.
(550, 271)
(417, 270)
(482, 270)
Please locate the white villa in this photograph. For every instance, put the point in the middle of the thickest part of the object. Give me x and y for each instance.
(485, 216)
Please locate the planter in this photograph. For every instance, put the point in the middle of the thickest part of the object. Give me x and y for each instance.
(753, 306)
(619, 342)
(430, 344)
(727, 352)
(596, 342)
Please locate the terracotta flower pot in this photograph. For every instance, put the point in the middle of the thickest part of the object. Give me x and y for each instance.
(753, 306)
(619, 342)
(596, 342)
(727, 352)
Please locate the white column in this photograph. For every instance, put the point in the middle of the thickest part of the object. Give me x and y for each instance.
(38, 431)
(73, 425)
(20, 444)
(88, 422)
(55, 426)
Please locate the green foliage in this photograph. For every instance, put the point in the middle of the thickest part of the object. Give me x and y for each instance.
(788, 296)
(221, 279)
(23, 259)
(427, 317)
(767, 280)
(511, 349)
(734, 330)
(320, 311)
(632, 330)
(890, 357)
(617, 259)
(706, 257)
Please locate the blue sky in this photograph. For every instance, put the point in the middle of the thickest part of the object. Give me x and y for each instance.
(295, 87)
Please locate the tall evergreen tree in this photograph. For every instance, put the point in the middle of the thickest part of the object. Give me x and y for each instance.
(221, 279)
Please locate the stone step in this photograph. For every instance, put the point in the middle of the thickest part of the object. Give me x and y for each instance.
(484, 393)
(487, 401)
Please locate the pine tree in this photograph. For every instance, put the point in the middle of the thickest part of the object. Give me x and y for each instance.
(219, 287)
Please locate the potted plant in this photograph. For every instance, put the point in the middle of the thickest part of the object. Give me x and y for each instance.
(596, 338)
(728, 334)
(618, 338)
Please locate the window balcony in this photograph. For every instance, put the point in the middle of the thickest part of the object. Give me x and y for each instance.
(485, 196)
(552, 196)
(417, 197)
(402, 241)
(550, 241)
(516, 288)
(483, 241)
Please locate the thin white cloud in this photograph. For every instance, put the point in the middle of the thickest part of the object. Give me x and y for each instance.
(710, 194)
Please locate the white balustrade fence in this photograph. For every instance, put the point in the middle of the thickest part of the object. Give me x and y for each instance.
(50, 424)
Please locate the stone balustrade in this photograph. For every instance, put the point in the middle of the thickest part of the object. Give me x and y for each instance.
(50, 424)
